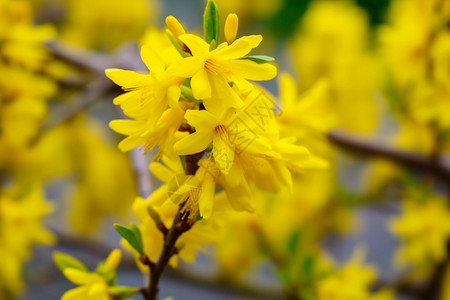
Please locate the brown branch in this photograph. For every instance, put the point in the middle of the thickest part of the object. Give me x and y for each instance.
(431, 165)
(181, 224)
(79, 57)
(126, 57)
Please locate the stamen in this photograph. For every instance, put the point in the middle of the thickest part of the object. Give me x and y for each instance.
(214, 67)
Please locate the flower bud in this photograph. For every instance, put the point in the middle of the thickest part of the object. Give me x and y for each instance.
(174, 26)
(231, 28)
(113, 260)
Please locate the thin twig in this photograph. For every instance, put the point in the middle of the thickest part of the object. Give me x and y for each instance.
(431, 165)
(181, 224)
(79, 57)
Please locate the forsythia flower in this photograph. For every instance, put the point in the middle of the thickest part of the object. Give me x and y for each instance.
(201, 233)
(20, 230)
(90, 29)
(333, 39)
(353, 281)
(423, 229)
(212, 70)
(97, 285)
(200, 103)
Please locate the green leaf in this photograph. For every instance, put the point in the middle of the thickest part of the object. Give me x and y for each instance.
(177, 45)
(64, 261)
(132, 235)
(259, 59)
(307, 268)
(293, 243)
(186, 92)
(123, 291)
(211, 25)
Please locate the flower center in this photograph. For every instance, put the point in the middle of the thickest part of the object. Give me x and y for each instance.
(222, 132)
(213, 66)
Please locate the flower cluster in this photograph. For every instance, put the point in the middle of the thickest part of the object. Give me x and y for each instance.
(198, 103)
(424, 229)
(24, 91)
(97, 285)
(20, 230)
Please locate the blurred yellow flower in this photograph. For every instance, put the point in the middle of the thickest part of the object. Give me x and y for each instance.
(423, 230)
(20, 230)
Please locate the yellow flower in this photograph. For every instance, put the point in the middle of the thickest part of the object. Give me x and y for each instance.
(203, 232)
(332, 39)
(118, 22)
(353, 282)
(140, 133)
(197, 189)
(230, 132)
(20, 230)
(314, 107)
(423, 229)
(147, 95)
(105, 182)
(93, 285)
(211, 71)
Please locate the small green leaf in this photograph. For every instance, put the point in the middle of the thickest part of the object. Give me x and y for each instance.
(64, 261)
(293, 243)
(259, 59)
(307, 269)
(177, 45)
(186, 92)
(132, 235)
(211, 25)
(123, 291)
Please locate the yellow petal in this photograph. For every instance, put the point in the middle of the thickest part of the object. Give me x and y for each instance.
(186, 67)
(193, 143)
(76, 276)
(152, 59)
(161, 172)
(76, 293)
(253, 40)
(113, 259)
(125, 97)
(196, 44)
(202, 120)
(158, 196)
(254, 71)
(223, 96)
(175, 26)
(201, 87)
(288, 90)
(206, 198)
(130, 143)
(239, 48)
(173, 95)
(235, 176)
(126, 127)
(98, 291)
(127, 79)
(223, 151)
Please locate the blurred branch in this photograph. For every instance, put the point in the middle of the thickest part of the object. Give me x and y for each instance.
(78, 57)
(101, 249)
(142, 172)
(67, 111)
(125, 57)
(432, 165)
